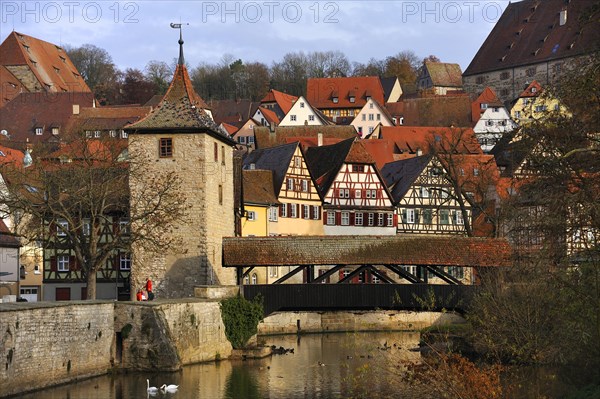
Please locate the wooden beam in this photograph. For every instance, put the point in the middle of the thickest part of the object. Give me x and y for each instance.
(290, 274)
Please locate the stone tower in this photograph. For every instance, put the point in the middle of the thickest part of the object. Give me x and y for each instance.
(180, 136)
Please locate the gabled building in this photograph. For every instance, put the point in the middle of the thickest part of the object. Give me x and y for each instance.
(303, 114)
(245, 135)
(355, 198)
(533, 40)
(432, 110)
(534, 104)
(32, 65)
(278, 102)
(492, 120)
(233, 112)
(343, 97)
(179, 136)
(392, 90)
(11, 271)
(266, 117)
(300, 212)
(370, 116)
(439, 77)
(106, 122)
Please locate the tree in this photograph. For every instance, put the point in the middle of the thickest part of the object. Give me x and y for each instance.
(290, 74)
(327, 64)
(373, 68)
(550, 300)
(77, 198)
(136, 89)
(403, 65)
(159, 73)
(96, 66)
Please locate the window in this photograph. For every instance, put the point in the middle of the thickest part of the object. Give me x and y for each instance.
(305, 186)
(371, 106)
(251, 216)
(166, 147)
(540, 108)
(250, 139)
(358, 219)
(125, 262)
(62, 263)
(284, 210)
(61, 227)
(427, 216)
(390, 219)
(242, 139)
(495, 109)
(456, 272)
(272, 271)
(357, 193)
(301, 105)
(335, 100)
(371, 117)
(483, 105)
(293, 210)
(97, 134)
(112, 133)
(293, 118)
(352, 99)
(254, 278)
(55, 131)
(220, 194)
(459, 218)
(410, 216)
(345, 218)
(360, 130)
(489, 122)
(85, 227)
(39, 131)
(330, 218)
(344, 193)
(124, 226)
(424, 192)
(444, 216)
(273, 213)
(373, 194)
(504, 75)
(380, 218)
(316, 212)
(364, 117)
(371, 219)
(222, 155)
(306, 211)
(216, 151)
(475, 172)
(517, 114)
(358, 168)
(124, 134)
(290, 184)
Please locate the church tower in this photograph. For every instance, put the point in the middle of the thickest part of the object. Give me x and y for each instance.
(180, 136)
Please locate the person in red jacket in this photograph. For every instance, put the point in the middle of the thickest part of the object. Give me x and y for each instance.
(149, 289)
(139, 295)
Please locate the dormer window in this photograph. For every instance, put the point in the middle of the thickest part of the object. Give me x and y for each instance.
(55, 130)
(39, 131)
(533, 89)
(97, 134)
(368, 98)
(112, 133)
(56, 70)
(124, 134)
(352, 99)
(335, 100)
(63, 59)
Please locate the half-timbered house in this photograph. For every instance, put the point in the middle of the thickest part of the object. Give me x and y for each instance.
(356, 201)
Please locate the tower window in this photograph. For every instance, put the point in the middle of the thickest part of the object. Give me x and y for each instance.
(166, 147)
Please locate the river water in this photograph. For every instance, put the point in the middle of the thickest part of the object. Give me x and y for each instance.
(336, 365)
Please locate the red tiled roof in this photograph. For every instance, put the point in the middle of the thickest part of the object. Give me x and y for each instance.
(446, 110)
(284, 100)
(533, 90)
(382, 151)
(27, 111)
(233, 112)
(286, 134)
(10, 86)
(487, 96)
(269, 115)
(359, 154)
(378, 250)
(529, 32)
(11, 156)
(409, 139)
(258, 187)
(321, 91)
(7, 239)
(307, 142)
(39, 65)
(230, 128)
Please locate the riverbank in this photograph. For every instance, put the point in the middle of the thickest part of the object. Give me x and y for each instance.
(49, 343)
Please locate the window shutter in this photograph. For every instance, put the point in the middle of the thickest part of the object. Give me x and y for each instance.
(289, 210)
(53, 263)
(403, 215)
(453, 219)
(319, 213)
(351, 219)
(416, 216)
(73, 264)
(338, 218)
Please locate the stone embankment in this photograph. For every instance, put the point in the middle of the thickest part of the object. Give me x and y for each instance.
(50, 343)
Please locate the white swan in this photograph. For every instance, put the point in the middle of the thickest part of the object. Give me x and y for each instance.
(149, 389)
(169, 388)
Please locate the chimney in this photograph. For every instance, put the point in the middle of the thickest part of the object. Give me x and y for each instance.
(563, 17)
(75, 109)
(320, 139)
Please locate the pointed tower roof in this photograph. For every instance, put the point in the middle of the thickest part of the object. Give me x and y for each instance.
(181, 110)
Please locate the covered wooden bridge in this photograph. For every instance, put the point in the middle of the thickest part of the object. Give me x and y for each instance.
(381, 256)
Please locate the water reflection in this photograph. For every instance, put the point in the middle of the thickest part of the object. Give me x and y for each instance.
(322, 366)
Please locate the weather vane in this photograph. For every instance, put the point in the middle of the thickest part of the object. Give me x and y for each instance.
(181, 61)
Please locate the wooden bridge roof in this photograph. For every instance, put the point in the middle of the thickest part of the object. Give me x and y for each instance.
(364, 250)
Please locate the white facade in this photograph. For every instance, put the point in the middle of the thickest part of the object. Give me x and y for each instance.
(301, 113)
(492, 125)
(369, 117)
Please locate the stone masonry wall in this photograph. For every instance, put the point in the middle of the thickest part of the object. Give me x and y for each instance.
(48, 344)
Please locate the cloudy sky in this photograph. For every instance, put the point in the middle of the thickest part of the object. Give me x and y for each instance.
(135, 32)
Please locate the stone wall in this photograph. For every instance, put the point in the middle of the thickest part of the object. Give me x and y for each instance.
(169, 335)
(316, 322)
(48, 344)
